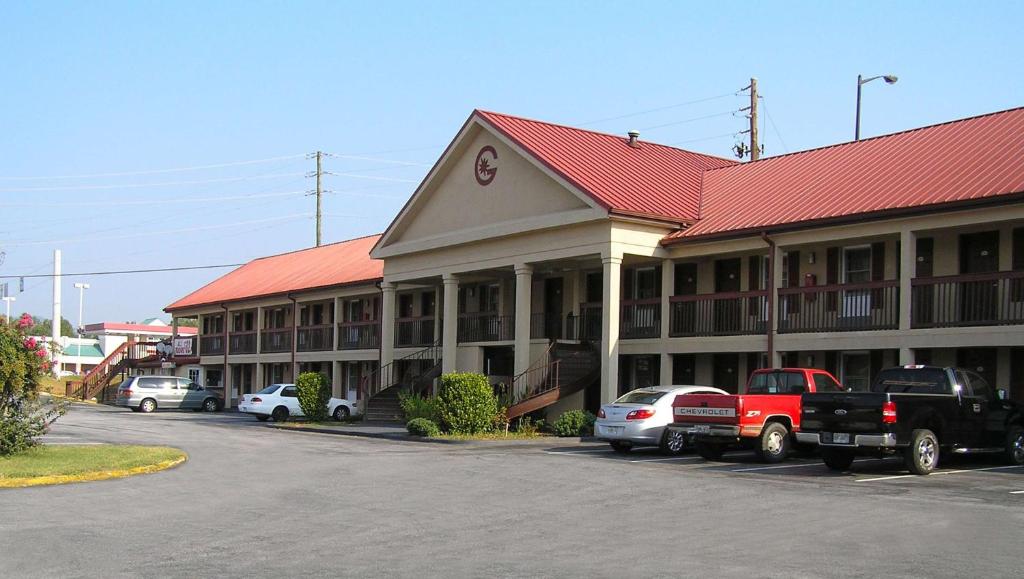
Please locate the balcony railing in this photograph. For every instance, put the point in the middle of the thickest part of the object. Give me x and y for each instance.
(415, 331)
(211, 345)
(363, 335)
(719, 314)
(485, 328)
(315, 338)
(186, 346)
(840, 308)
(985, 299)
(640, 318)
(546, 325)
(586, 326)
(242, 342)
(276, 340)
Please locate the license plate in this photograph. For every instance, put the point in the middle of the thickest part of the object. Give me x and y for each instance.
(700, 429)
(612, 429)
(841, 438)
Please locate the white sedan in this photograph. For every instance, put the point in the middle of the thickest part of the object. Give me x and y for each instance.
(280, 401)
(639, 418)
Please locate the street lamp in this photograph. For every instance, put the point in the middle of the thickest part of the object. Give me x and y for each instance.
(81, 291)
(8, 300)
(888, 78)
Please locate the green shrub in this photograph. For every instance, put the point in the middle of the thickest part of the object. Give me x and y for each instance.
(574, 423)
(23, 364)
(414, 406)
(466, 403)
(527, 426)
(422, 427)
(314, 395)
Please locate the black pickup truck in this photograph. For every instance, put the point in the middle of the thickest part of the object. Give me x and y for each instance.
(918, 411)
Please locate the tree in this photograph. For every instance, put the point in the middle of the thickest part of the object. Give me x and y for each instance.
(43, 327)
(23, 360)
(188, 322)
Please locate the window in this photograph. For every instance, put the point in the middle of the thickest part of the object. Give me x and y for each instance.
(289, 392)
(913, 380)
(857, 265)
(645, 283)
(213, 378)
(194, 374)
(405, 306)
(270, 389)
(778, 383)
(489, 298)
(979, 386)
(856, 371)
(641, 397)
(823, 383)
(595, 287)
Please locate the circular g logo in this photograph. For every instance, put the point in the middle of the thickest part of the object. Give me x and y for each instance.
(486, 166)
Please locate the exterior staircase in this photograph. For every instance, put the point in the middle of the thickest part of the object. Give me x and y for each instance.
(564, 369)
(414, 373)
(99, 380)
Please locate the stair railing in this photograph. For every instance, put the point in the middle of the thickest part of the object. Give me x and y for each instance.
(387, 375)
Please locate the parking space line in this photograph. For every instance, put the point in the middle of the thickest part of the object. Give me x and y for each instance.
(960, 471)
(1017, 492)
(802, 464)
(666, 458)
(586, 451)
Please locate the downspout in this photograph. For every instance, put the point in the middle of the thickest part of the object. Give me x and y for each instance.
(295, 332)
(770, 330)
(224, 376)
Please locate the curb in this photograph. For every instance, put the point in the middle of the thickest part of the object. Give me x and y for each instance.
(91, 476)
(404, 437)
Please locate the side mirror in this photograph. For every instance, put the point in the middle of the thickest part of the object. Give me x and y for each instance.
(1003, 394)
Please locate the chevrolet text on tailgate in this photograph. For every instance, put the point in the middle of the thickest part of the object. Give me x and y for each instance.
(918, 411)
(764, 418)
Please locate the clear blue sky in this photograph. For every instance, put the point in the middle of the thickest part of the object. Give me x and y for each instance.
(99, 88)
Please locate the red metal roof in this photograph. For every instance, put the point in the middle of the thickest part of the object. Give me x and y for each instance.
(650, 180)
(342, 263)
(960, 161)
(137, 328)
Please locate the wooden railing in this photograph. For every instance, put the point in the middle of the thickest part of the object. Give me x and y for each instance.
(840, 308)
(414, 331)
(983, 299)
(276, 340)
(315, 338)
(364, 335)
(398, 371)
(485, 327)
(719, 314)
(540, 377)
(640, 318)
(242, 342)
(101, 375)
(211, 345)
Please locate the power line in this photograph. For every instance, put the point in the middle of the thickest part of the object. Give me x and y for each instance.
(154, 171)
(144, 185)
(711, 116)
(775, 128)
(376, 159)
(733, 134)
(370, 177)
(125, 271)
(156, 201)
(659, 109)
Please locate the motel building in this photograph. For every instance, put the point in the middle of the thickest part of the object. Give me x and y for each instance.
(571, 266)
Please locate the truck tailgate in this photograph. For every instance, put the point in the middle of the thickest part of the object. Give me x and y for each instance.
(842, 412)
(705, 409)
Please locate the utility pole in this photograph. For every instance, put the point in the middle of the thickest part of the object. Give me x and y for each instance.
(755, 151)
(55, 323)
(319, 197)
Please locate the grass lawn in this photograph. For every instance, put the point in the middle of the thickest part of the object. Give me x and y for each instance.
(58, 464)
(55, 385)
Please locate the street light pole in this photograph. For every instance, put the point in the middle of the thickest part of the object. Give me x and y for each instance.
(889, 79)
(81, 296)
(8, 300)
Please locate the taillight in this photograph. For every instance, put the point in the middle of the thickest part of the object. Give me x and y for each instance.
(640, 414)
(889, 413)
(600, 413)
(126, 393)
(256, 400)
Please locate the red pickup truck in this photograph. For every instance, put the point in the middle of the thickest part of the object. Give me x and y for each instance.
(764, 418)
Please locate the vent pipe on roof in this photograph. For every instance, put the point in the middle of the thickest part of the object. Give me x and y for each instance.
(634, 138)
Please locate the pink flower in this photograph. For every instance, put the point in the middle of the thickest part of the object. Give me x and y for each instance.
(41, 353)
(25, 321)
(30, 344)
(45, 366)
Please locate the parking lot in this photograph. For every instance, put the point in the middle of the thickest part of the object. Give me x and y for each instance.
(255, 501)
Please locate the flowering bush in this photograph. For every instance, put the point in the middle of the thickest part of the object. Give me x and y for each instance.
(23, 361)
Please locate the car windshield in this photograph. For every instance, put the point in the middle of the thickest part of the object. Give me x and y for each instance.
(913, 380)
(641, 397)
(270, 389)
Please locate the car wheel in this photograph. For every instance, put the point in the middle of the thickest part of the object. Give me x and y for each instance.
(147, 405)
(621, 447)
(837, 458)
(673, 442)
(773, 445)
(922, 456)
(709, 450)
(1015, 446)
(341, 413)
(210, 405)
(262, 417)
(280, 414)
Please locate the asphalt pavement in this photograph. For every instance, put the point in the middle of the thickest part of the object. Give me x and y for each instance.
(254, 501)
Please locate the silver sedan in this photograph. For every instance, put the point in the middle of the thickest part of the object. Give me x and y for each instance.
(639, 418)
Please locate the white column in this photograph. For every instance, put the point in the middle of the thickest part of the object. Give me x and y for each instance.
(387, 323)
(908, 264)
(524, 285)
(774, 358)
(437, 313)
(449, 334)
(667, 286)
(612, 265)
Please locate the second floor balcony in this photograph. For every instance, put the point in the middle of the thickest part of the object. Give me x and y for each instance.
(981, 299)
(873, 305)
(362, 335)
(276, 340)
(414, 331)
(721, 314)
(486, 327)
(314, 338)
(640, 318)
(242, 342)
(211, 345)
